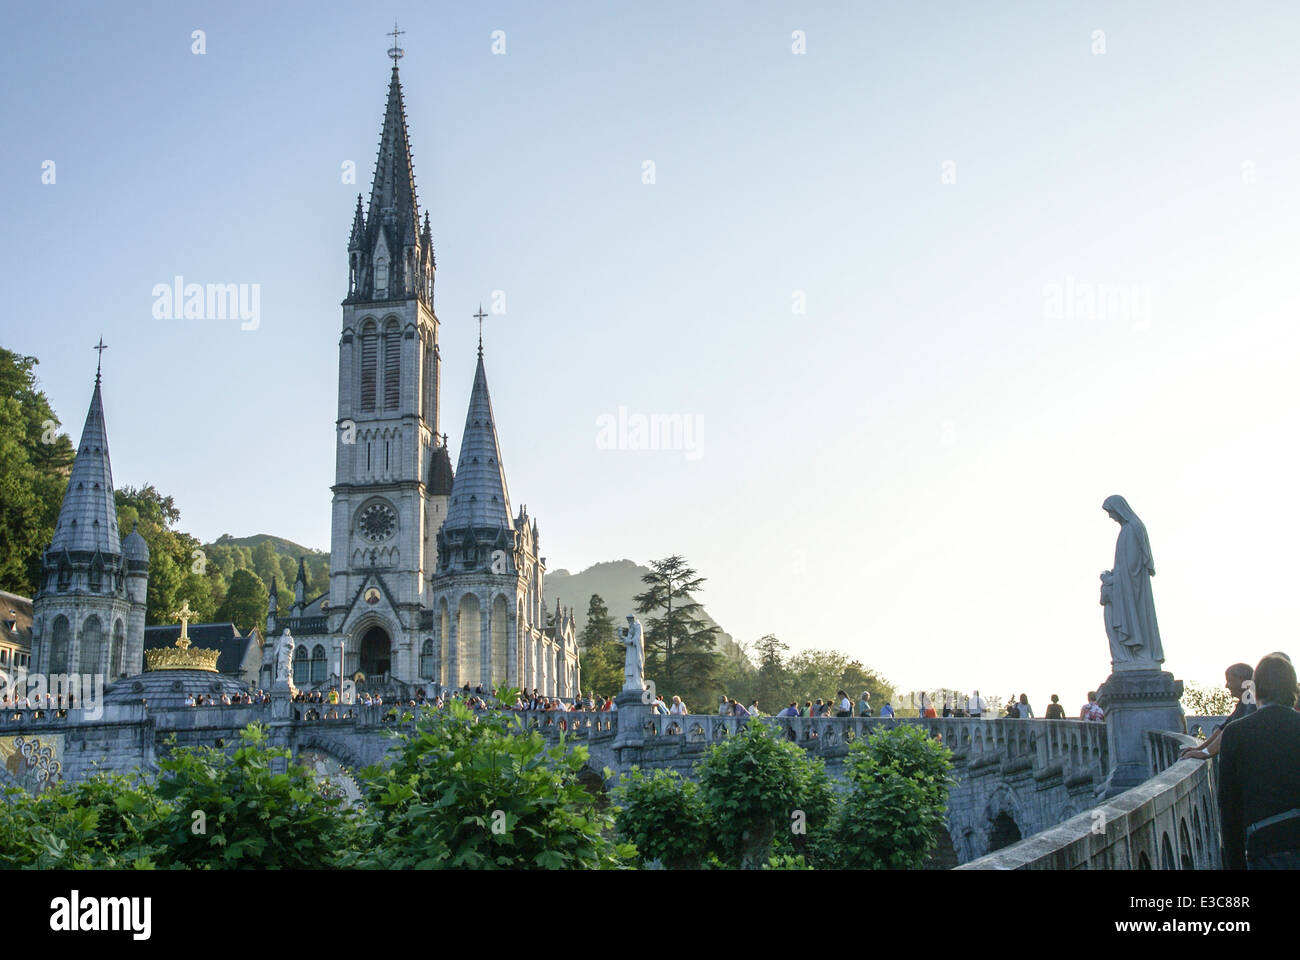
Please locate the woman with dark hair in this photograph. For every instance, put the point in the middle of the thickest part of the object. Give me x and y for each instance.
(845, 704)
(1054, 709)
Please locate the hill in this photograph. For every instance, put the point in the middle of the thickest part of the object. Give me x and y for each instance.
(617, 582)
(280, 545)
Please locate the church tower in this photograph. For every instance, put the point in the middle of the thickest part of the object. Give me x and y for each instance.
(88, 615)
(489, 623)
(392, 473)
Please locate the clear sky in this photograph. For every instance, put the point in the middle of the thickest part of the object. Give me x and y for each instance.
(1038, 265)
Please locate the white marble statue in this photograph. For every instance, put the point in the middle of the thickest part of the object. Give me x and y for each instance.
(1126, 594)
(634, 660)
(284, 658)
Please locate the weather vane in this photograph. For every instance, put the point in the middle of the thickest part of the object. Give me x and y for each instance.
(479, 316)
(395, 51)
(101, 347)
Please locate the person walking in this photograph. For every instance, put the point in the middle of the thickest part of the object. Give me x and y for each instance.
(1054, 709)
(1023, 710)
(845, 704)
(975, 705)
(864, 704)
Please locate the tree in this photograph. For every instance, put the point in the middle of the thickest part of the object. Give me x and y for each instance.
(34, 462)
(680, 656)
(773, 677)
(1203, 700)
(759, 788)
(665, 818)
(467, 792)
(898, 800)
(175, 558)
(601, 654)
(245, 604)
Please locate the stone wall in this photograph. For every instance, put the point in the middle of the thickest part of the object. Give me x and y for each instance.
(1169, 822)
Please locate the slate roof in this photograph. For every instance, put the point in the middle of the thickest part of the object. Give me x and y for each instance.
(440, 472)
(16, 619)
(394, 185)
(479, 497)
(222, 637)
(88, 516)
(168, 688)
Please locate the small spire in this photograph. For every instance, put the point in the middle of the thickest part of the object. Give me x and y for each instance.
(479, 316)
(101, 347)
(395, 51)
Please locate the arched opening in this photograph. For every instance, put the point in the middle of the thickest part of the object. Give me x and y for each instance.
(92, 644)
(376, 653)
(500, 660)
(1185, 857)
(467, 641)
(1166, 853)
(59, 646)
(318, 664)
(369, 375)
(119, 646)
(392, 365)
(301, 667)
(1003, 833)
(426, 660)
(1143, 862)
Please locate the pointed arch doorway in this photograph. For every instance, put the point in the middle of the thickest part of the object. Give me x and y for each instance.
(376, 652)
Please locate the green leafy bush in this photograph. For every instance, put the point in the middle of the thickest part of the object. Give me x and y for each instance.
(229, 811)
(756, 784)
(665, 818)
(897, 802)
(471, 792)
(105, 822)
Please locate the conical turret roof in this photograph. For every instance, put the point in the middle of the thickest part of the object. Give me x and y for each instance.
(393, 203)
(88, 517)
(479, 497)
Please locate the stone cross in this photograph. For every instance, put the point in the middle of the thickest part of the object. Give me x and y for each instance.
(184, 614)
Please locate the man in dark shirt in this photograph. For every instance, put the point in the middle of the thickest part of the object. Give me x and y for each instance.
(1259, 776)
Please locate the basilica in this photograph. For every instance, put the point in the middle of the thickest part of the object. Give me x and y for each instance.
(435, 580)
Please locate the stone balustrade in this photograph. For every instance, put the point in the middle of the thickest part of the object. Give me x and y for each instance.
(1171, 821)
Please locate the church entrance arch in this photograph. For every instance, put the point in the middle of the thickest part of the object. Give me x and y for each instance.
(376, 652)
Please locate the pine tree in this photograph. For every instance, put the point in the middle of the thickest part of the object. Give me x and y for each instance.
(601, 654)
(680, 656)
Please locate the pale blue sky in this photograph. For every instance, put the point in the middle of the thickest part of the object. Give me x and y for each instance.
(912, 470)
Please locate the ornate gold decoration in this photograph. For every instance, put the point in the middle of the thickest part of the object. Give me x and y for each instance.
(181, 657)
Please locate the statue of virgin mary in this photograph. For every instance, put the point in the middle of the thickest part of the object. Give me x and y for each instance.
(1126, 594)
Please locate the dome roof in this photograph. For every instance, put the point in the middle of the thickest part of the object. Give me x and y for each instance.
(134, 547)
(169, 688)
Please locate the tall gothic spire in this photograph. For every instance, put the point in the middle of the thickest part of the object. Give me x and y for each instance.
(88, 517)
(479, 497)
(393, 203)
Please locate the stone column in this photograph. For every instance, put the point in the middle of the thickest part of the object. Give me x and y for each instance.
(1136, 701)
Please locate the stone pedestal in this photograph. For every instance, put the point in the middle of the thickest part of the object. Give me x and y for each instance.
(633, 712)
(1136, 701)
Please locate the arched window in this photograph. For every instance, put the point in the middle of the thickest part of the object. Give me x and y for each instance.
(381, 276)
(301, 666)
(65, 575)
(119, 648)
(369, 359)
(318, 664)
(96, 573)
(92, 647)
(392, 365)
(426, 660)
(59, 646)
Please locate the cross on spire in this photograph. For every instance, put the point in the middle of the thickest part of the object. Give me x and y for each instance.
(479, 316)
(101, 347)
(395, 51)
